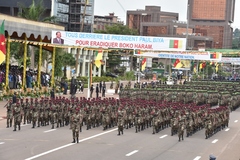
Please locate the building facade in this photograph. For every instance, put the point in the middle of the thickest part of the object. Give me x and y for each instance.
(153, 22)
(69, 13)
(213, 18)
(153, 14)
(75, 15)
(100, 22)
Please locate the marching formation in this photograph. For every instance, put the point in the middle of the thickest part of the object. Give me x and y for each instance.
(124, 113)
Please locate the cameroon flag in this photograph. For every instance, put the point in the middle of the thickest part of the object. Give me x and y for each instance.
(195, 68)
(214, 56)
(144, 63)
(175, 44)
(98, 60)
(177, 63)
(2, 44)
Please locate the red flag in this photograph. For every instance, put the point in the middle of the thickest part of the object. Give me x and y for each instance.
(2, 43)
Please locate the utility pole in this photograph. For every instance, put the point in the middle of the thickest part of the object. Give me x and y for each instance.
(84, 14)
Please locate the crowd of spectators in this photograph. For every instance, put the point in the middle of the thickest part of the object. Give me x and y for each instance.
(15, 77)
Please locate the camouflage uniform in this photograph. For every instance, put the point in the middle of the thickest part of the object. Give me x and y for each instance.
(17, 116)
(9, 114)
(120, 122)
(75, 125)
(34, 117)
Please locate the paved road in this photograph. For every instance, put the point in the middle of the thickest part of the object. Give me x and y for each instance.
(45, 144)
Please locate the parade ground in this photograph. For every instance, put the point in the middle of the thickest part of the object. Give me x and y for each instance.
(44, 143)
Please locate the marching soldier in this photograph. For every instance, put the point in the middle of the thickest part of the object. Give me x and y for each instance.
(17, 116)
(34, 117)
(9, 114)
(120, 122)
(75, 125)
(53, 115)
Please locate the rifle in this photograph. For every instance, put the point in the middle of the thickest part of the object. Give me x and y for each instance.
(6, 104)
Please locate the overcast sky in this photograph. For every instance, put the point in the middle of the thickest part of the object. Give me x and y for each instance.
(103, 7)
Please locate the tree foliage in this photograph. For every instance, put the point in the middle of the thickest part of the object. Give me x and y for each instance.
(118, 29)
(17, 52)
(236, 39)
(35, 12)
(62, 60)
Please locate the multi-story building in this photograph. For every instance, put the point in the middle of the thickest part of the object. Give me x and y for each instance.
(153, 14)
(153, 22)
(100, 22)
(213, 18)
(69, 13)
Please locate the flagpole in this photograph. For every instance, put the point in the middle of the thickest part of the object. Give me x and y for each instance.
(7, 62)
(89, 78)
(39, 63)
(24, 62)
(53, 66)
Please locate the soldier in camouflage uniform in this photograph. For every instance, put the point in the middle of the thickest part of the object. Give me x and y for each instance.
(120, 122)
(53, 115)
(9, 114)
(34, 117)
(75, 125)
(17, 115)
(26, 107)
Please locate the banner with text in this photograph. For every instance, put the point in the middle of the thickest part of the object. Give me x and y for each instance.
(230, 60)
(183, 55)
(118, 41)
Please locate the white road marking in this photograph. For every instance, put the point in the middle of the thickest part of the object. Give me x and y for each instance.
(2, 142)
(197, 158)
(67, 145)
(1, 118)
(215, 141)
(50, 130)
(163, 136)
(131, 153)
(236, 121)
(227, 129)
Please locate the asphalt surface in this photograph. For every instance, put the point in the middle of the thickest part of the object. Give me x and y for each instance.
(43, 143)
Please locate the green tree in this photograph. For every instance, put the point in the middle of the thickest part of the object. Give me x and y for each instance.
(17, 51)
(118, 29)
(35, 12)
(67, 60)
(62, 60)
(236, 39)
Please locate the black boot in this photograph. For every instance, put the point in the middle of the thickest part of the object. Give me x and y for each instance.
(14, 128)
(52, 126)
(77, 140)
(73, 140)
(19, 127)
